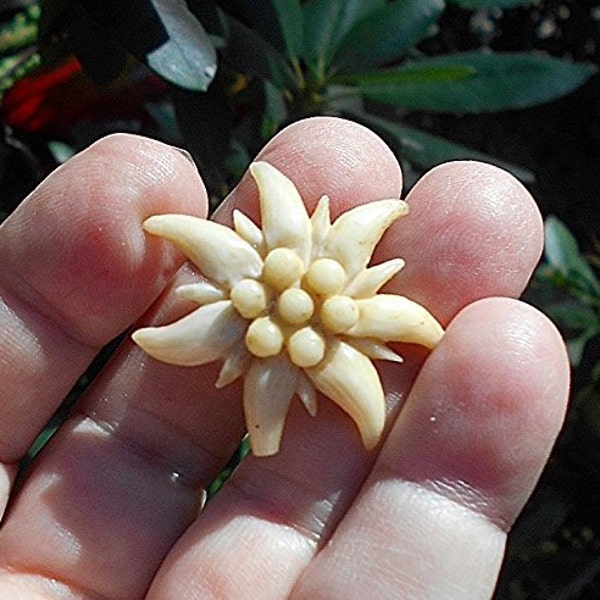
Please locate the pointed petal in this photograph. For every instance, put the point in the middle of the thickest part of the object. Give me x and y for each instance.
(375, 349)
(220, 253)
(307, 394)
(201, 292)
(285, 222)
(268, 389)
(198, 338)
(368, 282)
(349, 378)
(236, 363)
(247, 229)
(396, 319)
(321, 224)
(354, 235)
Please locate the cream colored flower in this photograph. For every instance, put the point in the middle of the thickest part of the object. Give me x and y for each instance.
(292, 307)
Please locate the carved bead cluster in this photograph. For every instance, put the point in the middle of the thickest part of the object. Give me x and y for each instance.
(293, 309)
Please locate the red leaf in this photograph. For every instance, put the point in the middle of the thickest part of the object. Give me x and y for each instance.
(54, 101)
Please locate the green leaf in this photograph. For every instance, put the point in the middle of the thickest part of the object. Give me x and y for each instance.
(474, 82)
(562, 252)
(575, 349)
(60, 151)
(275, 111)
(426, 150)
(279, 22)
(562, 249)
(249, 53)
(475, 4)
(387, 33)
(188, 58)
(290, 18)
(573, 316)
(326, 22)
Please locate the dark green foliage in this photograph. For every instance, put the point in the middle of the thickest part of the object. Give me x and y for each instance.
(163, 34)
(567, 288)
(478, 82)
(553, 550)
(279, 61)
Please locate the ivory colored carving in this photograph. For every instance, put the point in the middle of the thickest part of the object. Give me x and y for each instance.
(293, 307)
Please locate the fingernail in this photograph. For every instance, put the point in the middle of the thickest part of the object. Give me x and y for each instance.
(186, 155)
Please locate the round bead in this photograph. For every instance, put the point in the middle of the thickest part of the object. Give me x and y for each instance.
(249, 298)
(264, 337)
(295, 306)
(339, 313)
(306, 347)
(282, 268)
(326, 277)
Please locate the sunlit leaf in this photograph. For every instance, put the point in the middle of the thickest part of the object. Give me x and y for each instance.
(188, 58)
(162, 33)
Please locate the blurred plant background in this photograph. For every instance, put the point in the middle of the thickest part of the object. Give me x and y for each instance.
(513, 82)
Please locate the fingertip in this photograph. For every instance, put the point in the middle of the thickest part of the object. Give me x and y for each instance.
(490, 194)
(475, 231)
(325, 155)
(76, 249)
(485, 410)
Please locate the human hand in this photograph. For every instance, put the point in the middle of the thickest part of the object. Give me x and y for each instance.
(110, 507)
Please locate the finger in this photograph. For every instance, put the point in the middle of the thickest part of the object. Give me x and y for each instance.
(75, 270)
(458, 466)
(474, 231)
(148, 435)
(307, 487)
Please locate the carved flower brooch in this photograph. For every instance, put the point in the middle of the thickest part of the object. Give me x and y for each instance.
(293, 308)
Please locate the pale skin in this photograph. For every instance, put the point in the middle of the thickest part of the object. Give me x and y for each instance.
(110, 509)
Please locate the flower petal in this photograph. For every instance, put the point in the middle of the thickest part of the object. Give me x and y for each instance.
(320, 222)
(235, 364)
(200, 337)
(354, 235)
(220, 253)
(307, 394)
(285, 222)
(375, 349)
(247, 229)
(349, 378)
(368, 282)
(201, 292)
(396, 319)
(268, 389)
